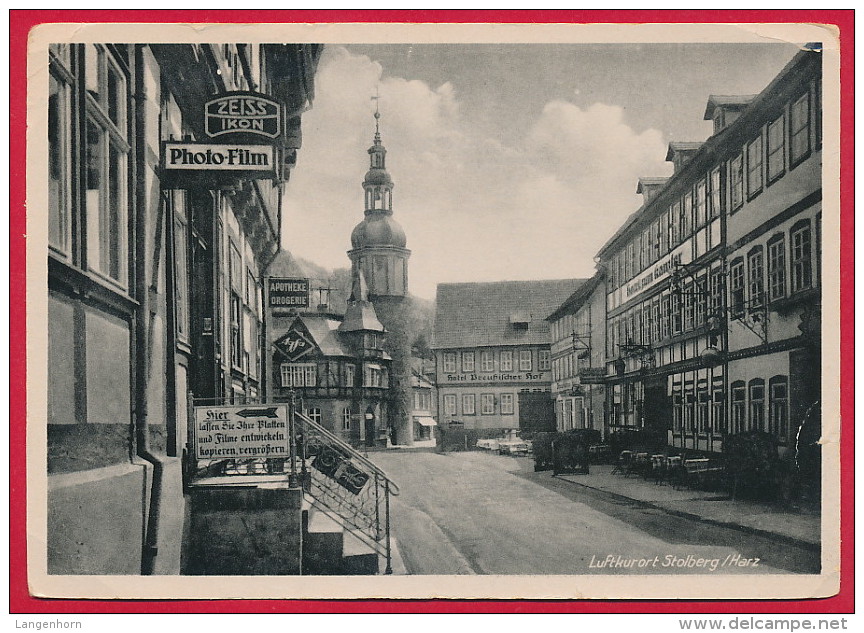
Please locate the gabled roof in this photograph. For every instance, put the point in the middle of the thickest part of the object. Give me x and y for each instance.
(479, 314)
(323, 330)
(578, 298)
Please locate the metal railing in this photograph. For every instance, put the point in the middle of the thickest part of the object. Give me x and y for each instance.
(340, 480)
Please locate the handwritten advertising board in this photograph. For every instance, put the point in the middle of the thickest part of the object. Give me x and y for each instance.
(241, 431)
(287, 293)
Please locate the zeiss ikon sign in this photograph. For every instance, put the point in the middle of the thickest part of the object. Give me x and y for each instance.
(242, 112)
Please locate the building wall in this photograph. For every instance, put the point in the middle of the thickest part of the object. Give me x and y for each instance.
(477, 383)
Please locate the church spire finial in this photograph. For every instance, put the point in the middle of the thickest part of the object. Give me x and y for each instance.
(377, 100)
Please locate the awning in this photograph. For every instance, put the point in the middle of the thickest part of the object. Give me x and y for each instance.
(426, 420)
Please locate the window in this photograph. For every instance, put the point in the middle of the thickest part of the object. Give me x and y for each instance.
(736, 173)
(700, 207)
(776, 148)
(686, 222)
(107, 150)
(756, 277)
(543, 357)
(177, 202)
(754, 167)
(61, 86)
(314, 414)
(802, 258)
(298, 374)
(701, 299)
(716, 207)
(507, 360)
(718, 282)
(702, 403)
(718, 421)
(487, 404)
(450, 404)
(674, 219)
(736, 287)
(375, 376)
(778, 412)
(236, 333)
(506, 404)
(468, 404)
(467, 361)
(757, 404)
(487, 362)
(450, 362)
(675, 313)
(350, 375)
(799, 130)
(664, 317)
(346, 419)
(738, 406)
(524, 360)
(777, 267)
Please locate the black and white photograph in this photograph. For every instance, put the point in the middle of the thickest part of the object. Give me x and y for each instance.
(511, 311)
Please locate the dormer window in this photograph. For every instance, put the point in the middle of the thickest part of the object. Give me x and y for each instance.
(520, 321)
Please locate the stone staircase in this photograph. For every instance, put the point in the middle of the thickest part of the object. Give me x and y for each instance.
(331, 550)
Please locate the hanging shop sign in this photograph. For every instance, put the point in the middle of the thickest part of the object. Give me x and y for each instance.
(215, 165)
(241, 432)
(242, 113)
(288, 293)
(296, 342)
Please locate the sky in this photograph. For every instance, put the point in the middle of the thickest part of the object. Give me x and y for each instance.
(514, 161)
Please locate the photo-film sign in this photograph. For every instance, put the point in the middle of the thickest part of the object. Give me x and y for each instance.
(252, 160)
(242, 431)
(243, 112)
(288, 293)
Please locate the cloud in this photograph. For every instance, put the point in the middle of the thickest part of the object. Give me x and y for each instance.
(533, 203)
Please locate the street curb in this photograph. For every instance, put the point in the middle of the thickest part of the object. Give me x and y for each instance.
(783, 538)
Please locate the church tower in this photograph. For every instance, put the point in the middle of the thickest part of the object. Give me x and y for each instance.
(378, 255)
(378, 242)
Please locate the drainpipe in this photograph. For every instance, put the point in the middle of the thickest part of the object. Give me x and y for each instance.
(142, 333)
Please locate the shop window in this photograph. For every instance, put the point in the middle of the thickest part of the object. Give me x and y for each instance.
(298, 374)
(468, 404)
(777, 267)
(467, 361)
(736, 288)
(776, 148)
(450, 362)
(754, 167)
(346, 419)
(739, 395)
(487, 404)
(450, 404)
(524, 360)
(487, 362)
(801, 255)
(736, 186)
(757, 404)
(778, 413)
(756, 277)
(799, 130)
(506, 404)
